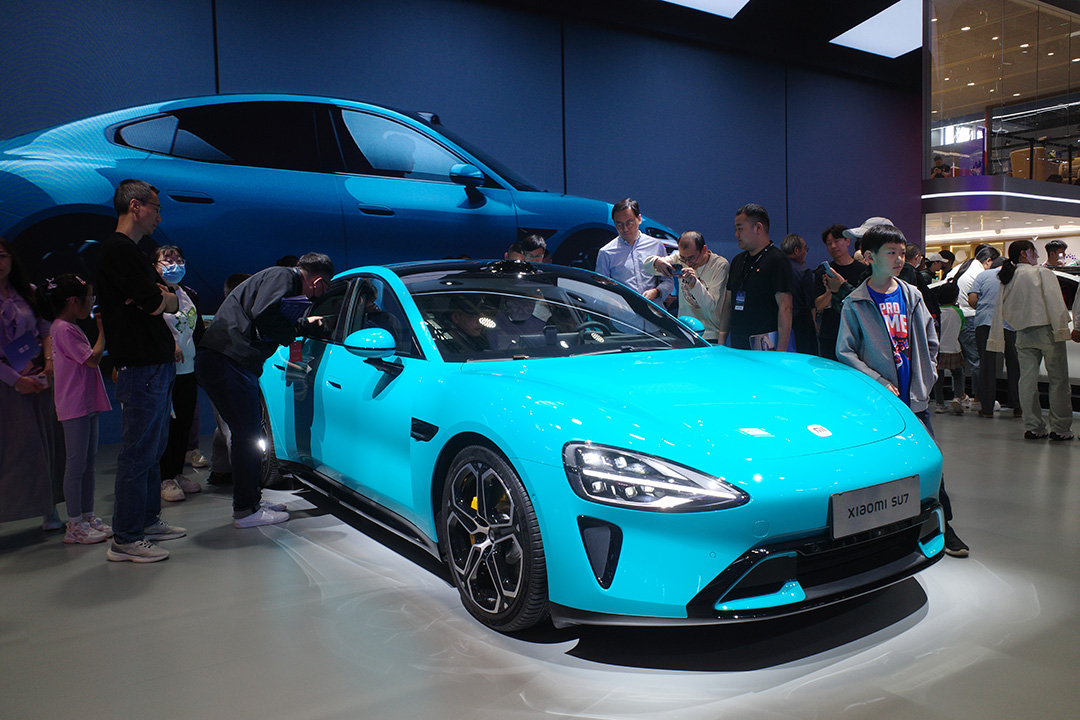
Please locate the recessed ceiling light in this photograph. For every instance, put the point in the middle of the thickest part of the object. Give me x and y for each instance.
(991, 89)
(1049, 54)
(948, 78)
(996, 37)
(723, 8)
(933, 19)
(893, 32)
(1016, 94)
(1026, 45)
(971, 84)
(933, 112)
(965, 28)
(1076, 59)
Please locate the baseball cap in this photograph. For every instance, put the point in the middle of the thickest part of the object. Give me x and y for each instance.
(935, 257)
(857, 233)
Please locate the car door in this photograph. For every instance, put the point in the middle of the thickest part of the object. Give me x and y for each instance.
(289, 380)
(241, 185)
(362, 432)
(399, 202)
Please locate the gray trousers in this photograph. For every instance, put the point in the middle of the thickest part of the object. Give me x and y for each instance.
(1035, 345)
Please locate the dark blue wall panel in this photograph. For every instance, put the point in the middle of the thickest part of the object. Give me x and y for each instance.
(63, 59)
(691, 133)
(493, 75)
(854, 152)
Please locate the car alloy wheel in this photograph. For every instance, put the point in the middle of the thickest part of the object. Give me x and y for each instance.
(492, 543)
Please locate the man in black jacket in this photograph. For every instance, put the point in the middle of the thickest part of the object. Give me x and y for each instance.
(266, 311)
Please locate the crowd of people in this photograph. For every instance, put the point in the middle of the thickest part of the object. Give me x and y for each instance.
(870, 306)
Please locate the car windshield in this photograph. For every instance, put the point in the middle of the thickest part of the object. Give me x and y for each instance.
(499, 312)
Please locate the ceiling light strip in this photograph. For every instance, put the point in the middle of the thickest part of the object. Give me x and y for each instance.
(1000, 193)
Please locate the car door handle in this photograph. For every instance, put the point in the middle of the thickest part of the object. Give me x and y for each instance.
(191, 196)
(333, 382)
(375, 209)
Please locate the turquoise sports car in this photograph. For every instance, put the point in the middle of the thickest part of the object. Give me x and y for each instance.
(571, 450)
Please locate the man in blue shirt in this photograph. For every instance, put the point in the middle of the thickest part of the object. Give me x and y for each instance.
(623, 257)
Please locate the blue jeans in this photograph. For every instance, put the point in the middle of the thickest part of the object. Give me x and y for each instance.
(81, 442)
(145, 396)
(234, 390)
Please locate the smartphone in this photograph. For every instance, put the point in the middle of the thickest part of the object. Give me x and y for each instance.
(676, 269)
(42, 379)
(827, 269)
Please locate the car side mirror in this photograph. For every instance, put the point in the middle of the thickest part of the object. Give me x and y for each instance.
(694, 324)
(373, 343)
(467, 175)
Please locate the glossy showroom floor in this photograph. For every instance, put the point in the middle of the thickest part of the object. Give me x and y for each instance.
(325, 617)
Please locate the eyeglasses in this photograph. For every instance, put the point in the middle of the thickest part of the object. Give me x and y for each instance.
(172, 261)
(154, 205)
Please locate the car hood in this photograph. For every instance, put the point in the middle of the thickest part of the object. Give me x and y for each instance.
(683, 404)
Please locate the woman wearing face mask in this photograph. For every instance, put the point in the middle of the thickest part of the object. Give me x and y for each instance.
(187, 328)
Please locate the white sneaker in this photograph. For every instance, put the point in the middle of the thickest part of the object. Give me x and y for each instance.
(957, 407)
(79, 532)
(262, 516)
(273, 506)
(171, 490)
(161, 530)
(940, 410)
(189, 486)
(196, 459)
(140, 551)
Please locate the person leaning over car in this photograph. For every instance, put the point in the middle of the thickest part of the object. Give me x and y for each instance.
(266, 311)
(622, 258)
(702, 280)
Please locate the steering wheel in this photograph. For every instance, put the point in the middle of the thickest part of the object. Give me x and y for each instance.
(590, 325)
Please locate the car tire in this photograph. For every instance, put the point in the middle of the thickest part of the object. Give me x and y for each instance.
(269, 469)
(491, 541)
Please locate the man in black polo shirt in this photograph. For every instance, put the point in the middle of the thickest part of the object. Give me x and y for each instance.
(132, 298)
(757, 314)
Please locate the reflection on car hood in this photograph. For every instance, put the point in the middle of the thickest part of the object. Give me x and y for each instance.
(683, 404)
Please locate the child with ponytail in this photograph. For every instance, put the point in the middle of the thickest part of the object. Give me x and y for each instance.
(80, 396)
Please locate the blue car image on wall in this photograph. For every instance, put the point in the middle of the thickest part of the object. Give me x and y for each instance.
(247, 179)
(571, 451)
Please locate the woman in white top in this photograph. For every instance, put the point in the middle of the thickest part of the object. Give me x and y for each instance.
(1031, 302)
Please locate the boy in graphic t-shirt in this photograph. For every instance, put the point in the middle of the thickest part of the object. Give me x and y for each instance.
(887, 332)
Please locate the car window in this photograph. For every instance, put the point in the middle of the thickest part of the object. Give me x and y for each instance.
(155, 134)
(331, 308)
(487, 316)
(278, 135)
(388, 148)
(376, 306)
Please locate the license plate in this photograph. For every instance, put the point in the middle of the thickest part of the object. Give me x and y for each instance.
(871, 507)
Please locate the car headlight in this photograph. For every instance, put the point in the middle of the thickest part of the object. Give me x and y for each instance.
(634, 480)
